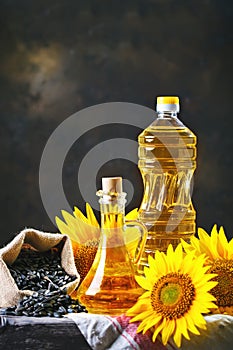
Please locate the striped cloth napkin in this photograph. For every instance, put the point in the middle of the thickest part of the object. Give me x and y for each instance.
(116, 333)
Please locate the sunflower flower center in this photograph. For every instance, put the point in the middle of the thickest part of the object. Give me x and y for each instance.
(170, 294)
(173, 295)
(223, 291)
(84, 257)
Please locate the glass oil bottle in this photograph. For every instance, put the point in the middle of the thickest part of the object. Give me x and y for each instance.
(110, 286)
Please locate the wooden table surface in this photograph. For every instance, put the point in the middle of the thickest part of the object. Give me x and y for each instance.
(40, 333)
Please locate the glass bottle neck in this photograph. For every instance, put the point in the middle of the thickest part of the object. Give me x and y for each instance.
(112, 209)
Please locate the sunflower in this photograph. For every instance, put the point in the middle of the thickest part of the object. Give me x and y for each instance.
(84, 232)
(177, 294)
(219, 256)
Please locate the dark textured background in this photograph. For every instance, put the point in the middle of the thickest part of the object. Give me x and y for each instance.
(58, 57)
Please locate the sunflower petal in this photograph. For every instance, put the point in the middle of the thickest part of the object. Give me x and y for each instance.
(132, 215)
(170, 259)
(142, 316)
(214, 240)
(191, 326)
(153, 265)
(197, 318)
(168, 331)
(187, 264)
(151, 322)
(158, 329)
(91, 216)
(78, 214)
(145, 295)
(138, 308)
(206, 243)
(148, 322)
(66, 230)
(178, 257)
(177, 336)
(183, 327)
(223, 244)
(186, 246)
(160, 265)
(143, 282)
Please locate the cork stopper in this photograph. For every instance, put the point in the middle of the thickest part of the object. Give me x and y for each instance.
(112, 184)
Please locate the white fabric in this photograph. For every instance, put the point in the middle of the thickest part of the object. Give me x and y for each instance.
(106, 333)
(101, 334)
(217, 336)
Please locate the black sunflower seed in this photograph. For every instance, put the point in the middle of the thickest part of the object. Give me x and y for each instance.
(43, 274)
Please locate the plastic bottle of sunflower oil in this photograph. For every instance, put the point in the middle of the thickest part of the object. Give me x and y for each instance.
(167, 161)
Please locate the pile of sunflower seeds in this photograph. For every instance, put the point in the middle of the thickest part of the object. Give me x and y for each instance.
(34, 270)
(43, 274)
(49, 303)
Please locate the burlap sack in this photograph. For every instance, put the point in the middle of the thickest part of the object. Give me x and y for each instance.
(41, 241)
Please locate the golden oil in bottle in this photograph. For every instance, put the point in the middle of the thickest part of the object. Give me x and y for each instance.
(167, 161)
(110, 286)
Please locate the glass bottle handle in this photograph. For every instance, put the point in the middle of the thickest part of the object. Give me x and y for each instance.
(135, 243)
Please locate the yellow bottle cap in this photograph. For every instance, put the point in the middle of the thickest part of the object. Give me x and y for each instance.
(168, 103)
(168, 99)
